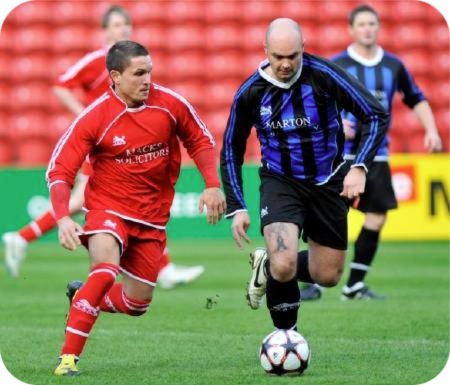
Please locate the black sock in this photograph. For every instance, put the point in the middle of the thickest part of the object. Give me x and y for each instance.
(365, 249)
(283, 301)
(303, 267)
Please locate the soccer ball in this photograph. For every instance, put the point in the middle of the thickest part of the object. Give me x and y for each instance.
(284, 352)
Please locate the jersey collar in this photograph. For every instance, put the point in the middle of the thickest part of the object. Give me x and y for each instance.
(366, 62)
(276, 82)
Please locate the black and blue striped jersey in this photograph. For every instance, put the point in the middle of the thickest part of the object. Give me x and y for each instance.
(299, 124)
(383, 76)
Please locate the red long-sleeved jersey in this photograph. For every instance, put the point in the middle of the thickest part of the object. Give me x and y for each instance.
(88, 73)
(135, 153)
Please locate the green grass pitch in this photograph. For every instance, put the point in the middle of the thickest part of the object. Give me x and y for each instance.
(402, 340)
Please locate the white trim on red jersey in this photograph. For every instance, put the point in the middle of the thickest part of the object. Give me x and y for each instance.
(69, 131)
(136, 277)
(191, 109)
(165, 110)
(73, 70)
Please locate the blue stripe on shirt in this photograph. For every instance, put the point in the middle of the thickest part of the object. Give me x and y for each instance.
(358, 99)
(229, 147)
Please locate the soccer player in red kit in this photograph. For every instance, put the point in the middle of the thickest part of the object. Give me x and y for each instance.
(90, 75)
(132, 135)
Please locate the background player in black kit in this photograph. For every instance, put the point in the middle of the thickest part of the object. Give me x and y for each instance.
(294, 101)
(383, 74)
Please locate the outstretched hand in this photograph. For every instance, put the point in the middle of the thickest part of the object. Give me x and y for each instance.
(214, 201)
(68, 231)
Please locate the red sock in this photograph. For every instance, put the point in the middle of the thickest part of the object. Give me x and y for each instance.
(85, 306)
(40, 226)
(165, 259)
(115, 301)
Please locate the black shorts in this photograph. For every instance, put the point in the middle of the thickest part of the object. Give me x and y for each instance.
(379, 195)
(318, 211)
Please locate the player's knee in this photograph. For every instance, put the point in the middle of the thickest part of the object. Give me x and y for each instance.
(329, 277)
(283, 270)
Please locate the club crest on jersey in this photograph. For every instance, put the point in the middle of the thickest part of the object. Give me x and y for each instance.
(119, 140)
(110, 223)
(264, 111)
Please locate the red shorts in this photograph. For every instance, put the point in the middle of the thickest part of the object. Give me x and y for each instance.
(141, 247)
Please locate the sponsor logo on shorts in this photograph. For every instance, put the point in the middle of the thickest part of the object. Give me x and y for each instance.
(264, 212)
(110, 223)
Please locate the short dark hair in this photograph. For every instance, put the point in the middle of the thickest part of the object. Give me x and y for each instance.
(120, 54)
(114, 9)
(360, 9)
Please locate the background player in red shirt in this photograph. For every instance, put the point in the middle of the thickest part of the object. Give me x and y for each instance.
(131, 134)
(91, 76)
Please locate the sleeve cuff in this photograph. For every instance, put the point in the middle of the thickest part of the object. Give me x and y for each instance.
(232, 214)
(361, 165)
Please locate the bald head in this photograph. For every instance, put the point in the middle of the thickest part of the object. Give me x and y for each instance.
(284, 31)
(284, 49)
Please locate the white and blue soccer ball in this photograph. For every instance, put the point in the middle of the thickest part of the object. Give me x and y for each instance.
(284, 352)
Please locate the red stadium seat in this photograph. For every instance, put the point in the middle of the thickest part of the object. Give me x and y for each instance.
(5, 96)
(184, 37)
(31, 13)
(144, 13)
(417, 62)
(413, 35)
(68, 38)
(6, 152)
(33, 152)
(5, 66)
(187, 65)
(397, 143)
(253, 36)
(406, 121)
(192, 90)
(333, 36)
(32, 38)
(335, 11)
(416, 143)
(434, 17)
(312, 38)
(29, 125)
(181, 11)
(438, 37)
(70, 12)
(218, 11)
(30, 95)
(300, 11)
(439, 94)
(58, 123)
(440, 67)
(152, 36)
(220, 94)
(224, 65)
(408, 11)
(216, 120)
(253, 11)
(224, 36)
(251, 63)
(30, 67)
(6, 38)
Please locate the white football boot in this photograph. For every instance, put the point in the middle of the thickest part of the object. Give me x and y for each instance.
(15, 252)
(256, 288)
(173, 275)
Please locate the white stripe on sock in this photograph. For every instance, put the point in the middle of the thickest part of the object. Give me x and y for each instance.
(359, 266)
